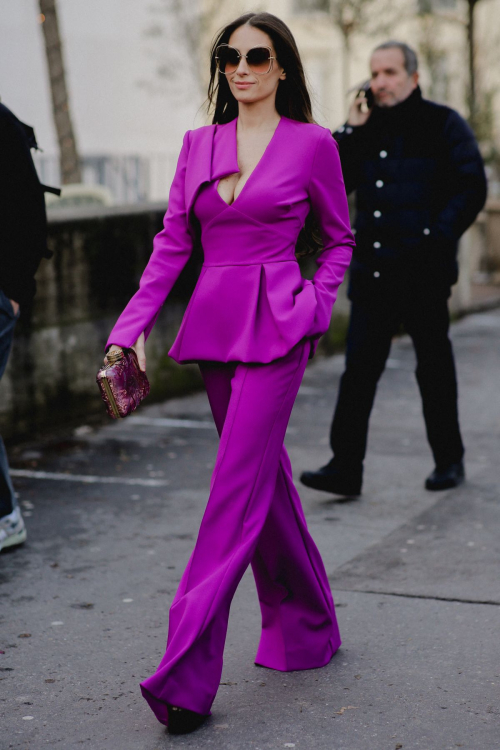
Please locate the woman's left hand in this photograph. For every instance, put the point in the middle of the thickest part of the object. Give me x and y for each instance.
(139, 348)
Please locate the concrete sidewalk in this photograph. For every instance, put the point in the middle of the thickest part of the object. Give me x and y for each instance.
(415, 577)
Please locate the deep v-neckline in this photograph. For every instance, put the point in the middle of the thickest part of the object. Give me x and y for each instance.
(236, 161)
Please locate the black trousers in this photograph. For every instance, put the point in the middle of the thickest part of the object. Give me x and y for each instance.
(374, 321)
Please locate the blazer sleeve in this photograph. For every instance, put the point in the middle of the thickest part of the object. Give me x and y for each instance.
(329, 204)
(172, 248)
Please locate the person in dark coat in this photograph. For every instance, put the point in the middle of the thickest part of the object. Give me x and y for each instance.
(420, 183)
(23, 242)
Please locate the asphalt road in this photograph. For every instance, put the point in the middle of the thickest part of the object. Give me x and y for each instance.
(112, 516)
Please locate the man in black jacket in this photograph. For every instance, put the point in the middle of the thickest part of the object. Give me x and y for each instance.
(23, 242)
(419, 182)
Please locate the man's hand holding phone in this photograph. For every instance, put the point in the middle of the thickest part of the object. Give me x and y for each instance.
(361, 108)
(15, 306)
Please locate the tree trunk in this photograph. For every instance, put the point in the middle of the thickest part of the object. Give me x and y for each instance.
(346, 66)
(68, 153)
(472, 63)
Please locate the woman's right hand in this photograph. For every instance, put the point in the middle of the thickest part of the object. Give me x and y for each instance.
(140, 350)
(138, 347)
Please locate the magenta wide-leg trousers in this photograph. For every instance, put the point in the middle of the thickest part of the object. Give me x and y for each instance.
(253, 516)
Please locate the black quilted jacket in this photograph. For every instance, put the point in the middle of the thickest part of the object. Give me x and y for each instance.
(419, 182)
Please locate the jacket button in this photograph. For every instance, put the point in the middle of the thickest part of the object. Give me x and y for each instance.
(383, 154)
(377, 214)
(379, 183)
(341, 129)
(427, 231)
(376, 274)
(377, 245)
(348, 131)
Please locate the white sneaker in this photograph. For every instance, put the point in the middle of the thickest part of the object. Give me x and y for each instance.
(12, 529)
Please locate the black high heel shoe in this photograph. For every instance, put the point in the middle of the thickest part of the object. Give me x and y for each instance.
(183, 721)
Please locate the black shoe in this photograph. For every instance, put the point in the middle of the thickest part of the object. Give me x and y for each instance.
(330, 478)
(445, 477)
(183, 721)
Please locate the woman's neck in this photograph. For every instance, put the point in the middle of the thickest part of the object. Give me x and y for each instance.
(257, 116)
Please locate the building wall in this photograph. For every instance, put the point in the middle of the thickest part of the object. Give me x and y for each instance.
(120, 106)
(110, 69)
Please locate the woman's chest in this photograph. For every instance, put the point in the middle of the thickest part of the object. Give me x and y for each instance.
(250, 153)
(265, 180)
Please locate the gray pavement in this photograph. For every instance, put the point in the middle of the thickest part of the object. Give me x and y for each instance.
(415, 576)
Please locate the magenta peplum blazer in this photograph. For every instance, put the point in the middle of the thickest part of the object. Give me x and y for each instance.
(251, 303)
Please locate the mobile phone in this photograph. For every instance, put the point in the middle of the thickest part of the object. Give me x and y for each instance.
(365, 89)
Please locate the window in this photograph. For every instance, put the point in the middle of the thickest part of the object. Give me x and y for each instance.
(434, 6)
(311, 6)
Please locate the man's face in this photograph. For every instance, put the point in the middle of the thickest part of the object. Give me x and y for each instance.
(390, 82)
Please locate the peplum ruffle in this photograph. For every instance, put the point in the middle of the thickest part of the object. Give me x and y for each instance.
(246, 313)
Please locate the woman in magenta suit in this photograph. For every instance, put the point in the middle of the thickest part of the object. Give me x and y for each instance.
(248, 182)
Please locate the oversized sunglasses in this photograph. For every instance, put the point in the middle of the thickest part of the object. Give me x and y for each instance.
(259, 59)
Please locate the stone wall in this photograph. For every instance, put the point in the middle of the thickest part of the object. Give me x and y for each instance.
(98, 258)
(99, 255)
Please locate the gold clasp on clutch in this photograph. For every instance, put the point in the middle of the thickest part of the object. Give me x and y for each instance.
(115, 356)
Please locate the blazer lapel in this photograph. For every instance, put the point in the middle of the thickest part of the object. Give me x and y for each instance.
(198, 164)
(212, 154)
(225, 151)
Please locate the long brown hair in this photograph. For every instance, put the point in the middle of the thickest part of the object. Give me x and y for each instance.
(292, 97)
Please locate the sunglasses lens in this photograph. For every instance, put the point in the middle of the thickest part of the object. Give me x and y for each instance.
(259, 59)
(228, 59)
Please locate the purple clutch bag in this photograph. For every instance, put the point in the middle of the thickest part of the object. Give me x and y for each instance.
(122, 383)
